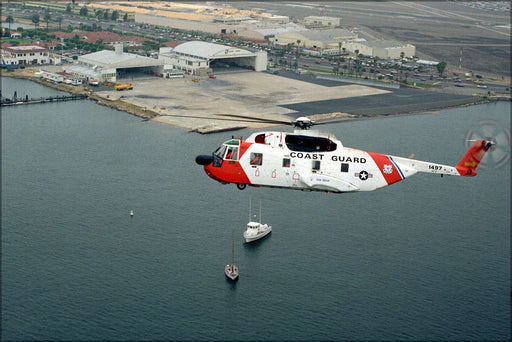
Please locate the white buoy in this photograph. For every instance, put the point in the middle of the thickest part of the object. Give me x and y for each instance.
(131, 213)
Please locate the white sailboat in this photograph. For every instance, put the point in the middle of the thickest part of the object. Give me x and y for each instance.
(256, 230)
(231, 271)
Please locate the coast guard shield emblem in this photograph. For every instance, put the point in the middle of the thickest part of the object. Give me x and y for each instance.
(388, 169)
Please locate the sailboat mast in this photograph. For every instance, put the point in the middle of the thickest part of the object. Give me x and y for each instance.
(233, 249)
(260, 213)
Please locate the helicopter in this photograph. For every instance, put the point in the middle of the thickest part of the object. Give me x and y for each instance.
(309, 160)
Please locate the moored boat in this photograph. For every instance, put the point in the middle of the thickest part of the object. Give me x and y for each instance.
(256, 230)
(231, 270)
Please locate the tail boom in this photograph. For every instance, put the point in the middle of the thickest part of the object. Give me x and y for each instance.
(466, 166)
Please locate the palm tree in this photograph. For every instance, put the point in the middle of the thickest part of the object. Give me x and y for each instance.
(47, 18)
(9, 20)
(35, 20)
(59, 20)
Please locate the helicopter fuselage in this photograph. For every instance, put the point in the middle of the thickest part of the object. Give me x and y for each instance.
(306, 160)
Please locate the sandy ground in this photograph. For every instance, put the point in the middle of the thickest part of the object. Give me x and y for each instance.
(200, 105)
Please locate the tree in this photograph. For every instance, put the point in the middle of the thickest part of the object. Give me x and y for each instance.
(47, 18)
(83, 11)
(59, 21)
(105, 14)
(125, 18)
(440, 67)
(9, 20)
(298, 52)
(68, 8)
(114, 15)
(35, 20)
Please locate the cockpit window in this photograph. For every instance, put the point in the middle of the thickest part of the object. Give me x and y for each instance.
(231, 153)
(218, 156)
(305, 143)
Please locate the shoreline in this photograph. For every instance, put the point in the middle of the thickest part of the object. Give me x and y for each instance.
(148, 114)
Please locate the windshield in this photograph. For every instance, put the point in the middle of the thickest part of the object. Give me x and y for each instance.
(218, 155)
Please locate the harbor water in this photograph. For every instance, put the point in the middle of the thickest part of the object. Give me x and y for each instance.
(427, 258)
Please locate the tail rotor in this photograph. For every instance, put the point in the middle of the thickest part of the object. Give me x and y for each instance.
(497, 140)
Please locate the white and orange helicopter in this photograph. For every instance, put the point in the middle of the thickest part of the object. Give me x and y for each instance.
(313, 161)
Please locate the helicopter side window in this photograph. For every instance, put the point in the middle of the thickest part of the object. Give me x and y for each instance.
(316, 165)
(344, 167)
(286, 162)
(256, 158)
(260, 138)
(305, 143)
(231, 153)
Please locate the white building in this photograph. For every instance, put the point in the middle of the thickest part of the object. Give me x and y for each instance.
(322, 21)
(390, 49)
(315, 39)
(25, 55)
(107, 65)
(200, 58)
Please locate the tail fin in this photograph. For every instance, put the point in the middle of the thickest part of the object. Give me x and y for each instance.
(472, 158)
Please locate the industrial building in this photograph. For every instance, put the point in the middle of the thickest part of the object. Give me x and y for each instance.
(197, 58)
(315, 39)
(109, 66)
(322, 21)
(390, 49)
(201, 58)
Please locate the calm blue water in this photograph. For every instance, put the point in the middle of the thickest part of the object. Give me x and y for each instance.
(424, 259)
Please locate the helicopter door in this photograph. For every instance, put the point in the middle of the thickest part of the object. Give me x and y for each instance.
(291, 175)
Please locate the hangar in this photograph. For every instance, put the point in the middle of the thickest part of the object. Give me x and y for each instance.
(106, 65)
(200, 58)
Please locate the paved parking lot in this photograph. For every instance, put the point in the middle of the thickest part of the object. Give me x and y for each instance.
(198, 105)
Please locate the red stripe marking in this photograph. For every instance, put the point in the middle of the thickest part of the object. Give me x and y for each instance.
(381, 160)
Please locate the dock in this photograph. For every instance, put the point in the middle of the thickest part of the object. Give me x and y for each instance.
(15, 101)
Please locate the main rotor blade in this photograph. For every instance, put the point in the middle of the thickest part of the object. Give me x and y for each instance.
(208, 118)
(255, 119)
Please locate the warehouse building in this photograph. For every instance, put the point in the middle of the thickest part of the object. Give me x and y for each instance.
(315, 39)
(110, 66)
(322, 21)
(201, 58)
(390, 49)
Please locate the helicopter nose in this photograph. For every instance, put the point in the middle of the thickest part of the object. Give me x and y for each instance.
(204, 159)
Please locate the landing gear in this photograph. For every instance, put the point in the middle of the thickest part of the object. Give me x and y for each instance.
(241, 186)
